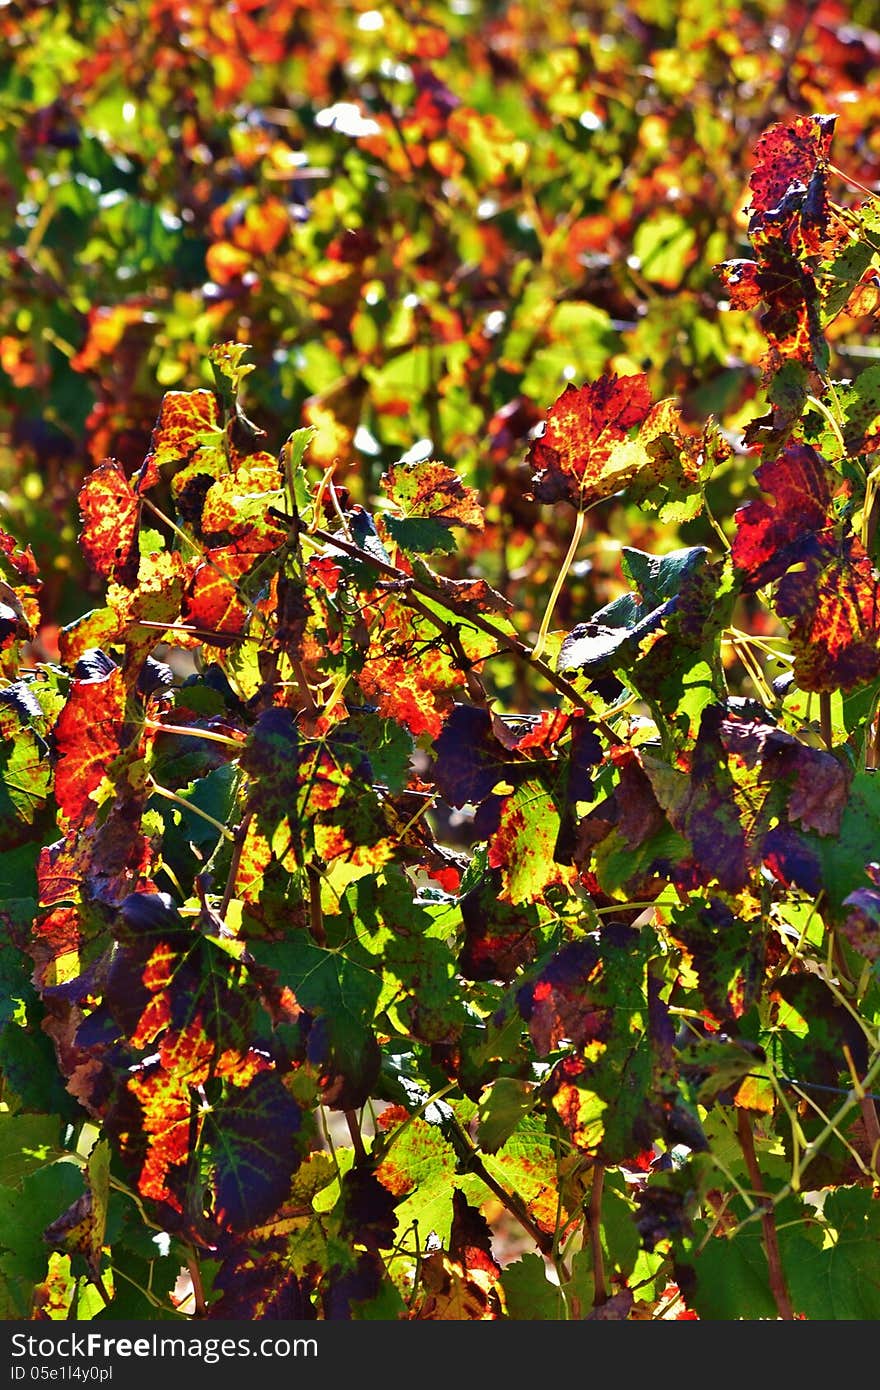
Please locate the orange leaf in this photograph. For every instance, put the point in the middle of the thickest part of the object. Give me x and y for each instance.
(87, 739)
(574, 457)
(184, 419)
(109, 510)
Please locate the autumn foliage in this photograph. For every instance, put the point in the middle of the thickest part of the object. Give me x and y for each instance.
(439, 663)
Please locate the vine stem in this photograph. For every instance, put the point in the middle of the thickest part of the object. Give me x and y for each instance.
(357, 1139)
(825, 719)
(98, 1285)
(212, 636)
(594, 1219)
(181, 801)
(510, 1200)
(715, 524)
(835, 427)
(316, 916)
(871, 514)
(561, 577)
(868, 1109)
(240, 836)
(853, 183)
(778, 1286)
(831, 1127)
(195, 1274)
(799, 1144)
(514, 1205)
(182, 731)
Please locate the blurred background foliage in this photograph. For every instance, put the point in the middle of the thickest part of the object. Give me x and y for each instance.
(426, 219)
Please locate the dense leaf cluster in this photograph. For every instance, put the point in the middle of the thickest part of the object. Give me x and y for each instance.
(425, 221)
(378, 942)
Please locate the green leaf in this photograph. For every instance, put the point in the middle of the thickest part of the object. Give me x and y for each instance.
(527, 1164)
(844, 856)
(144, 1277)
(861, 408)
(732, 1279)
(501, 1108)
(420, 534)
(323, 980)
(524, 845)
(846, 270)
(833, 1270)
(18, 874)
(618, 866)
(344, 996)
(620, 1236)
(612, 637)
(421, 1167)
(405, 941)
(387, 745)
(529, 1294)
(27, 1142)
(25, 773)
(26, 1211)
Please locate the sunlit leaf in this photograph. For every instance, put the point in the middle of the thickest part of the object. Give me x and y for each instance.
(461, 1285)
(429, 500)
(828, 586)
(185, 420)
(580, 456)
(109, 509)
(88, 736)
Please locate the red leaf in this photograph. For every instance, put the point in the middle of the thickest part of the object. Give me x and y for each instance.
(790, 860)
(829, 587)
(558, 1004)
(543, 732)
(105, 862)
(109, 510)
(769, 534)
(791, 321)
(184, 419)
(470, 1240)
(740, 280)
(238, 503)
(87, 739)
(432, 491)
(789, 153)
(573, 456)
(164, 1103)
(639, 815)
(834, 601)
(20, 558)
(415, 688)
(212, 601)
(788, 227)
(499, 936)
(56, 933)
(255, 1281)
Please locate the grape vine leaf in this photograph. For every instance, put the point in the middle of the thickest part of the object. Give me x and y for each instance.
(430, 499)
(110, 510)
(581, 456)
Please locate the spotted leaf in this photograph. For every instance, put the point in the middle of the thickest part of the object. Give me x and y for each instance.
(581, 456)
